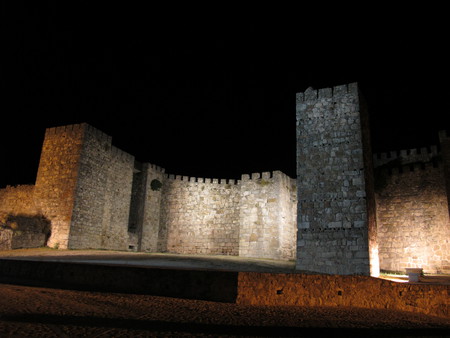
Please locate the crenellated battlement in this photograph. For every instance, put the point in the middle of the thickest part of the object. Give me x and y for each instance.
(423, 154)
(312, 94)
(190, 179)
(410, 168)
(72, 128)
(22, 187)
(156, 168)
(272, 175)
(257, 176)
(98, 196)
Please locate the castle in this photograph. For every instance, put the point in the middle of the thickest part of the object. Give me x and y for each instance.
(348, 212)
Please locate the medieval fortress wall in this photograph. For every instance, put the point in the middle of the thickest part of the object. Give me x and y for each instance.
(334, 195)
(412, 209)
(97, 196)
(338, 216)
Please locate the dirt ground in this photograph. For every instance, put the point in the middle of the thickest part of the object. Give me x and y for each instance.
(43, 312)
(27, 311)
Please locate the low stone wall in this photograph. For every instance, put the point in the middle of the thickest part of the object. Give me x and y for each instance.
(248, 288)
(333, 290)
(218, 286)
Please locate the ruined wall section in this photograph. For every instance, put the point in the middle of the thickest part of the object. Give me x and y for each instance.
(22, 224)
(267, 216)
(412, 210)
(333, 224)
(102, 197)
(199, 216)
(57, 179)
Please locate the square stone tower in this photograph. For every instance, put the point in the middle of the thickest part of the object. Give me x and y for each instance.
(336, 203)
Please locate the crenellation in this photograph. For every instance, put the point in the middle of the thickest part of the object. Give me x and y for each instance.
(310, 95)
(412, 214)
(407, 156)
(156, 168)
(255, 176)
(325, 93)
(337, 217)
(331, 168)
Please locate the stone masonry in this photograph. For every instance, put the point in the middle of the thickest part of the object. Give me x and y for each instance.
(97, 196)
(337, 217)
(334, 195)
(412, 210)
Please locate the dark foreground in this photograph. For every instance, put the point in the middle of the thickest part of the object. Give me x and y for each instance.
(44, 312)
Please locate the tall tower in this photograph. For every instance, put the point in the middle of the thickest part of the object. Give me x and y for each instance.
(57, 177)
(336, 203)
(84, 187)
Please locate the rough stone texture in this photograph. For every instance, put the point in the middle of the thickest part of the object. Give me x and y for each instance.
(151, 208)
(355, 291)
(57, 179)
(444, 140)
(97, 196)
(267, 216)
(412, 212)
(102, 197)
(199, 216)
(18, 232)
(22, 224)
(333, 193)
(18, 200)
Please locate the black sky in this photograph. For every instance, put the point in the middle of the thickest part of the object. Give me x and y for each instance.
(211, 92)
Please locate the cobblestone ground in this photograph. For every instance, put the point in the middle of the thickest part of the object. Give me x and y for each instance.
(44, 312)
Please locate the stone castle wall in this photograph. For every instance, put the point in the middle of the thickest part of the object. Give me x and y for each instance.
(102, 196)
(97, 196)
(251, 217)
(333, 222)
(268, 216)
(57, 179)
(18, 200)
(412, 211)
(151, 209)
(22, 224)
(199, 216)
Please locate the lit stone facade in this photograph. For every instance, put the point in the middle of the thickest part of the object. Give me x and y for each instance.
(336, 209)
(97, 196)
(412, 210)
(336, 217)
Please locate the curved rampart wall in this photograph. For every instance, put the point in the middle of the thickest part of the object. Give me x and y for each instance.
(412, 211)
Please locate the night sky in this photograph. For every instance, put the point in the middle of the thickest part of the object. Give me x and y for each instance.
(211, 92)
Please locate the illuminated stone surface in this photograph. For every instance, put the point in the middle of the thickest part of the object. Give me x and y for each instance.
(336, 202)
(97, 196)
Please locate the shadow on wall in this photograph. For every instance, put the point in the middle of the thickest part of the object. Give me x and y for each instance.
(23, 231)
